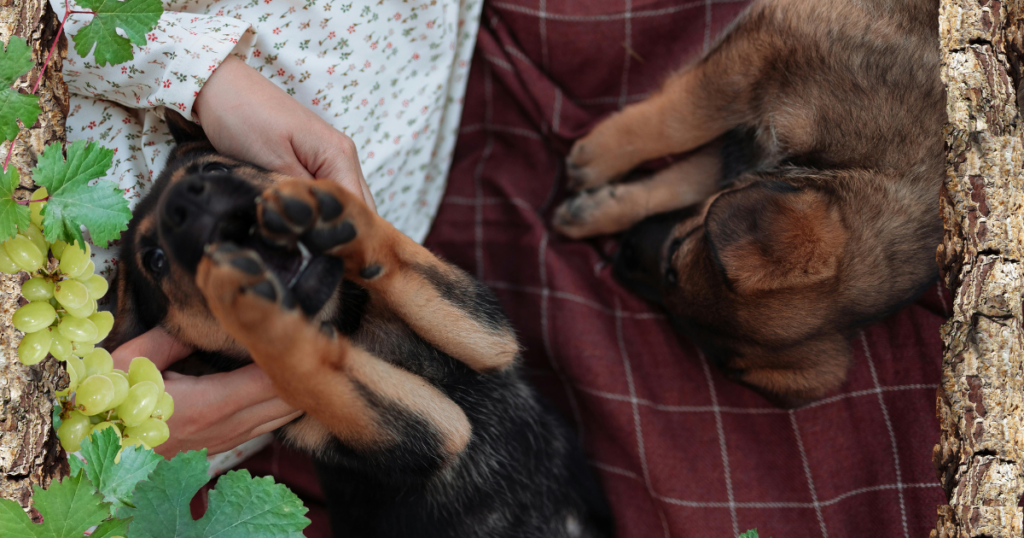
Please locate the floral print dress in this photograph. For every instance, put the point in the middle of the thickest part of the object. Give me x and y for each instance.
(391, 74)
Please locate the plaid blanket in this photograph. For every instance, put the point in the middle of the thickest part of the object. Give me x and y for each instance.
(681, 451)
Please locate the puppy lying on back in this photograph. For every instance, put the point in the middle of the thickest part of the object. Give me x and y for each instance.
(406, 367)
(807, 206)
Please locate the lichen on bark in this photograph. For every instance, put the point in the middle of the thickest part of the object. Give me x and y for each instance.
(29, 451)
(981, 396)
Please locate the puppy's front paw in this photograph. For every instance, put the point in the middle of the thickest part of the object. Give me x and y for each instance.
(327, 219)
(239, 290)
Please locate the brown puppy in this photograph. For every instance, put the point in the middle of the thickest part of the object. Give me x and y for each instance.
(810, 188)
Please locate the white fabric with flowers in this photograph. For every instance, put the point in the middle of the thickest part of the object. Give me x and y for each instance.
(391, 74)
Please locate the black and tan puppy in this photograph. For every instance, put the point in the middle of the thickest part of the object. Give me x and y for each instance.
(809, 193)
(406, 367)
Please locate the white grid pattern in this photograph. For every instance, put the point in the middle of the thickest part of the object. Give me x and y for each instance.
(721, 442)
(892, 434)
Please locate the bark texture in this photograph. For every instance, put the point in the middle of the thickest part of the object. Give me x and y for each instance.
(29, 451)
(981, 398)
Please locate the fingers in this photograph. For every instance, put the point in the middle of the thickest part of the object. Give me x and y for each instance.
(222, 394)
(333, 158)
(156, 345)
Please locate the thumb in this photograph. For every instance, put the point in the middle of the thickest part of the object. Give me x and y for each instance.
(156, 345)
(335, 158)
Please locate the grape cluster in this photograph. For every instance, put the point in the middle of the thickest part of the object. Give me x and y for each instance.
(133, 403)
(61, 320)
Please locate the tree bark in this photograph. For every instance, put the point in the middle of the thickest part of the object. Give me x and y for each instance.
(981, 397)
(29, 451)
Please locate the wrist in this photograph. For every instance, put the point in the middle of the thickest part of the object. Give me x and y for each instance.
(229, 74)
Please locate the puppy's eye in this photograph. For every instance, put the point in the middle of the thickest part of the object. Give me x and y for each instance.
(154, 261)
(215, 168)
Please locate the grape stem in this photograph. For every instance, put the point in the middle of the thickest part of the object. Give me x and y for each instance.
(26, 202)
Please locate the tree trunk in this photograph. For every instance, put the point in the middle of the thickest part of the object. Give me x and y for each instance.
(981, 397)
(29, 451)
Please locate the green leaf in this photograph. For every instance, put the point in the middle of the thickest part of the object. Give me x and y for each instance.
(56, 417)
(68, 508)
(15, 62)
(752, 533)
(115, 481)
(73, 202)
(134, 17)
(240, 506)
(13, 216)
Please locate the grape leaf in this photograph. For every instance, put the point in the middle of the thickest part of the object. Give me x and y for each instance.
(13, 216)
(73, 202)
(15, 62)
(134, 17)
(240, 507)
(68, 508)
(752, 533)
(113, 527)
(115, 481)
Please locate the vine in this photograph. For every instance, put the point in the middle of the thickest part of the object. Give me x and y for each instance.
(110, 419)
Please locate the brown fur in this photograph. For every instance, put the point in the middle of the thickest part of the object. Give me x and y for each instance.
(832, 220)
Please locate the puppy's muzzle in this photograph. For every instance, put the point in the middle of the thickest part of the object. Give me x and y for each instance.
(639, 264)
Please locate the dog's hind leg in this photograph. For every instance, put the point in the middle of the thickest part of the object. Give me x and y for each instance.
(366, 402)
(613, 208)
(441, 303)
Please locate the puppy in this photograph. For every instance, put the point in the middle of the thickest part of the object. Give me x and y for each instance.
(806, 204)
(416, 411)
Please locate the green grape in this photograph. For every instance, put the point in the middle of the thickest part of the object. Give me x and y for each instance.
(33, 234)
(152, 432)
(24, 253)
(98, 361)
(81, 349)
(83, 311)
(95, 419)
(7, 265)
(104, 425)
(74, 260)
(34, 317)
(139, 404)
(34, 347)
(164, 408)
(75, 329)
(142, 369)
(104, 321)
(71, 294)
(90, 268)
(57, 248)
(61, 346)
(73, 430)
(96, 284)
(36, 209)
(94, 394)
(76, 371)
(122, 372)
(120, 388)
(37, 289)
(127, 442)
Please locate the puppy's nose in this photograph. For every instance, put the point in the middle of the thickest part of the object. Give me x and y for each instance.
(188, 198)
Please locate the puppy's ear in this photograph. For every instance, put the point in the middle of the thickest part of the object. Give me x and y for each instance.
(771, 235)
(182, 130)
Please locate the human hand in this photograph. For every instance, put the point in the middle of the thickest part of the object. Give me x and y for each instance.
(249, 118)
(218, 411)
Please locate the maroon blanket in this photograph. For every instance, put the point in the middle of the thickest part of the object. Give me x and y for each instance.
(681, 451)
